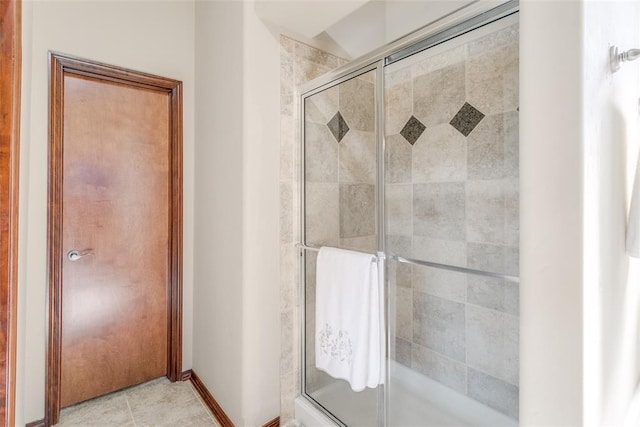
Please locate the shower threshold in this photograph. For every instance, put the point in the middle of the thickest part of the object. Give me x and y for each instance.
(417, 401)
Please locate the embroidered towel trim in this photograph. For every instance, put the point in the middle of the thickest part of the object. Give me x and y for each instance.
(349, 317)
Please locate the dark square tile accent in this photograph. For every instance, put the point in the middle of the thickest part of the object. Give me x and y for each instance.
(466, 119)
(338, 126)
(412, 130)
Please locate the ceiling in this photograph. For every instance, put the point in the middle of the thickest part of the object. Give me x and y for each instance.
(355, 27)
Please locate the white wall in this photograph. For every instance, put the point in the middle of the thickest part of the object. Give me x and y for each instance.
(155, 37)
(580, 354)
(261, 235)
(236, 307)
(218, 290)
(551, 213)
(611, 278)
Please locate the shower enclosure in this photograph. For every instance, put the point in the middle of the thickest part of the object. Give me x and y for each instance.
(412, 154)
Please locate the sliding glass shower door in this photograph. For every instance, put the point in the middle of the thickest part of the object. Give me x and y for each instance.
(340, 171)
(413, 157)
(451, 196)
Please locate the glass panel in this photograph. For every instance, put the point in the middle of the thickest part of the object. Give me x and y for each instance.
(340, 211)
(454, 349)
(340, 166)
(451, 196)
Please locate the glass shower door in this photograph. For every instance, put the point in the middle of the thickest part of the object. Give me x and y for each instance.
(451, 230)
(339, 210)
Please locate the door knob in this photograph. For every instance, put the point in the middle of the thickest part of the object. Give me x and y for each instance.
(74, 254)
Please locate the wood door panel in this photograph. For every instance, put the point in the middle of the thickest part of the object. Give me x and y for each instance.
(116, 202)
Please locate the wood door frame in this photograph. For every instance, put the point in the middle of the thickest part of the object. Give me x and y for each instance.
(59, 64)
(10, 79)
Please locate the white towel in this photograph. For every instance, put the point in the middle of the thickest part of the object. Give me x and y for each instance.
(633, 226)
(349, 318)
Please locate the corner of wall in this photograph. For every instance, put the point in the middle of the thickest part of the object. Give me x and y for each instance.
(551, 208)
(261, 150)
(218, 174)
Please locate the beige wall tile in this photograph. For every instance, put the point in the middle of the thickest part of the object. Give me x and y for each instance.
(357, 210)
(286, 338)
(288, 276)
(493, 293)
(512, 212)
(492, 343)
(439, 95)
(317, 56)
(439, 324)
(401, 352)
(286, 212)
(288, 159)
(485, 205)
(440, 250)
(320, 154)
(487, 257)
(492, 80)
(322, 213)
(399, 208)
(399, 101)
(441, 368)
(496, 40)
(398, 160)
(486, 152)
(286, 77)
(357, 152)
(511, 145)
(305, 70)
(440, 155)
(439, 210)
(441, 283)
(357, 104)
(441, 60)
(493, 392)
(322, 106)
(404, 313)
(366, 244)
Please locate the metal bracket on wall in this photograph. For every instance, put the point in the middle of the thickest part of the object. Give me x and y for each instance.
(616, 58)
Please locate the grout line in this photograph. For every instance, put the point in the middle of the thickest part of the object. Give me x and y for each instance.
(494, 310)
(126, 398)
(494, 376)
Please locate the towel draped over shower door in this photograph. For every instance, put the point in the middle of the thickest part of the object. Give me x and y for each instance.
(349, 317)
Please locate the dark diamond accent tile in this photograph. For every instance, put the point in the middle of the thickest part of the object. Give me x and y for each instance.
(338, 126)
(466, 119)
(412, 130)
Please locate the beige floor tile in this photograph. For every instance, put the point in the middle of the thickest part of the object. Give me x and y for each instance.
(155, 403)
(162, 403)
(109, 410)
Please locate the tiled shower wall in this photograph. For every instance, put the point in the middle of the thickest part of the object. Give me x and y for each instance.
(299, 63)
(452, 198)
(340, 166)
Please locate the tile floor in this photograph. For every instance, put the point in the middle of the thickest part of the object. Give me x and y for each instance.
(154, 403)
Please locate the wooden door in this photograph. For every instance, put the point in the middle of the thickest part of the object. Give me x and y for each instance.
(115, 246)
(115, 210)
